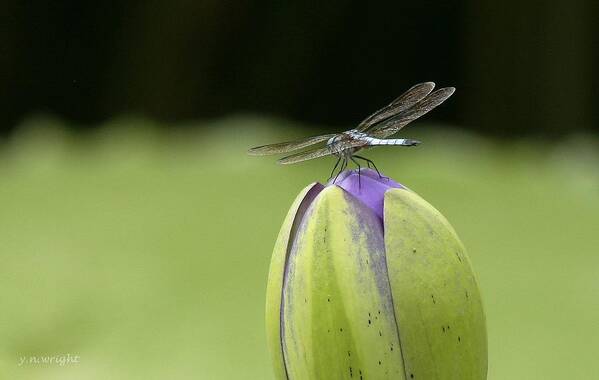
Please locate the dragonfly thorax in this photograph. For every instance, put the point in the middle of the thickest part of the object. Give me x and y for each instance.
(345, 143)
(354, 134)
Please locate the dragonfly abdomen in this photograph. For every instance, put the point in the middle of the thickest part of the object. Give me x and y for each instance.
(404, 142)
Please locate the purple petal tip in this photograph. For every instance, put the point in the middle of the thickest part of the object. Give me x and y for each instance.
(369, 188)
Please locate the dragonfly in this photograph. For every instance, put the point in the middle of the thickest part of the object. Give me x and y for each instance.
(371, 132)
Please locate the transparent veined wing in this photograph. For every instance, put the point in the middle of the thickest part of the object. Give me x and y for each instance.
(305, 156)
(319, 152)
(405, 101)
(393, 125)
(288, 146)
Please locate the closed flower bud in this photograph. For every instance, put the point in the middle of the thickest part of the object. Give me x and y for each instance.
(369, 281)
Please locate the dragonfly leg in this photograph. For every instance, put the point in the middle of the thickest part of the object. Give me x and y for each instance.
(359, 169)
(373, 165)
(368, 162)
(343, 166)
(333, 171)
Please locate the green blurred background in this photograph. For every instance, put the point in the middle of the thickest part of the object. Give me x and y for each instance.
(136, 233)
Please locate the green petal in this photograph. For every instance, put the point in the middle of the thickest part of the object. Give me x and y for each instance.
(275, 276)
(435, 292)
(338, 318)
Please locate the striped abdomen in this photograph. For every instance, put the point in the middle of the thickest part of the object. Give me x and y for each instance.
(404, 142)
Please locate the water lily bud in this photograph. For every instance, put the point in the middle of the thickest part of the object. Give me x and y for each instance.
(369, 281)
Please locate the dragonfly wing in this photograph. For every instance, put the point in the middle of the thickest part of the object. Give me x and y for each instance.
(289, 146)
(393, 125)
(319, 152)
(405, 101)
(305, 156)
